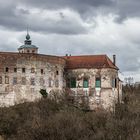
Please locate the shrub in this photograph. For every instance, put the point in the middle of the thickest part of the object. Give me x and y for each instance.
(43, 93)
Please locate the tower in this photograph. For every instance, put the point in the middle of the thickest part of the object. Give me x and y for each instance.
(28, 47)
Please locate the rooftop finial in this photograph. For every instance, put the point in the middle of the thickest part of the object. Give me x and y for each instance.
(28, 41)
(27, 36)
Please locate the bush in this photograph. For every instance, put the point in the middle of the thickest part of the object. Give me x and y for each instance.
(48, 119)
(44, 93)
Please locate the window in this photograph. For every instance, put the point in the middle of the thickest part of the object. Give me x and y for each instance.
(33, 81)
(28, 51)
(98, 82)
(85, 83)
(23, 81)
(7, 89)
(32, 70)
(42, 71)
(42, 81)
(50, 82)
(57, 83)
(114, 82)
(33, 51)
(15, 69)
(57, 72)
(23, 70)
(6, 69)
(6, 80)
(14, 80)
(0, 79)
(73, 82)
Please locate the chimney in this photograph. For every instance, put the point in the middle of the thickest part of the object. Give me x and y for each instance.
(114, 59)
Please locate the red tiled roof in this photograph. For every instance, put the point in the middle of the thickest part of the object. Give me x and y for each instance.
(89, 61)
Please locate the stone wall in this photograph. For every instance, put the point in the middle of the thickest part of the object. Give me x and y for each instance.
(23, 75)
(104, 96)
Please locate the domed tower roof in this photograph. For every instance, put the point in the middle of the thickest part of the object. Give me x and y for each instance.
(28, 47)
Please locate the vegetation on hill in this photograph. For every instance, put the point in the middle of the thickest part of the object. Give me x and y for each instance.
(51, 120)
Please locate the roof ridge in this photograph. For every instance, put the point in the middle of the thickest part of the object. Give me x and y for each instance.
(85, 55)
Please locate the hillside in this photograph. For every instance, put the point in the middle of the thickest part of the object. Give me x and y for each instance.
(51, 120)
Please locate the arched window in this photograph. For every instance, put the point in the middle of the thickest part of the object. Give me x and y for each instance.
(28, 51)
(85, 83)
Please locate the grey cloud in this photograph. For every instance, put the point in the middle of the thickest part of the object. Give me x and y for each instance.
(124, 8)
(18, 19)
(129, 8)
(76, 4)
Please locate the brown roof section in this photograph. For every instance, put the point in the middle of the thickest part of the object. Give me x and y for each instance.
(89, 61)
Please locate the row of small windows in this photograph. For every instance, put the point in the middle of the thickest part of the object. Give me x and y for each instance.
(32, 81)
(28, 51)
(32, 70)
(24, 70)
(71, 83)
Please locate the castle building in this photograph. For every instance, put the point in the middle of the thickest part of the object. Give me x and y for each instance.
(24, 73)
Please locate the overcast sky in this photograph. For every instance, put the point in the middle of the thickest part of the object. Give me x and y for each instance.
(75, 27)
